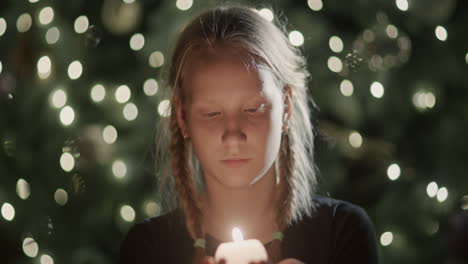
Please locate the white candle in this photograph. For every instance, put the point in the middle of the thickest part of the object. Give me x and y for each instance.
(241, 251)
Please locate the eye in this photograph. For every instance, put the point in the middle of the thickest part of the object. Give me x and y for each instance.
(213, 114)
(262, 108)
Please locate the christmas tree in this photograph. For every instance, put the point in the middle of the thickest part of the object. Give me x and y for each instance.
(80, 100)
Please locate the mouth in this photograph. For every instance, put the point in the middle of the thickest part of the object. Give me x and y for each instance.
(235, 163)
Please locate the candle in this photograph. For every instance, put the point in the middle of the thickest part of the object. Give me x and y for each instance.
(241, 251)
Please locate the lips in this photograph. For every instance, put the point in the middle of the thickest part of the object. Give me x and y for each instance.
(235, 163)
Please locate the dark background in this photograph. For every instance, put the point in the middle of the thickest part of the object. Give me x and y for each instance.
(68, 196)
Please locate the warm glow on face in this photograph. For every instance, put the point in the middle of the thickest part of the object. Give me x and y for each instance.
(237, 234)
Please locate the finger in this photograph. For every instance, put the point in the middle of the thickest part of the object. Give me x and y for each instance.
(222, 261)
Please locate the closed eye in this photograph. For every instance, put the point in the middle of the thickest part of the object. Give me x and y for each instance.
(213, 114)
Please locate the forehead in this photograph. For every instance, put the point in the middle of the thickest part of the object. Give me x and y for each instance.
(225, 76)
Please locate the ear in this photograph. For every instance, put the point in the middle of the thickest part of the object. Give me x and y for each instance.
(288, 103)
(180, 115)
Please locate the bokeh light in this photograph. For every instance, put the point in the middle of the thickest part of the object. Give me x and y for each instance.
(81, 24)
(336, 44)
(137, 41)
(150, 87)
(75, 70)
(441, 33)
(156, 59)
(46, 259)
(23, 189)
(98, 93)
(267, 14)
(30, 247)
(386, 238)
(151, 208)
(335, 64)
(346, 88)
(46, 15)
(3, 26)
(119, 168)
(52, 35)
(296, 38)
(58, 98)
(184, 4)
(122, 94)
(61, 196)
(67, 115)
(442, 194)
(164, 108)
(24, 22)
(377, 89)
(355, 139)
(130, 111)
(432, 189)
(315, 5)
(8, 211)
(44, 66)
(393, 171)
(402, 4)
(423, 100)
(127, 213)
(109, 134)
(392, 31)
(67, 162)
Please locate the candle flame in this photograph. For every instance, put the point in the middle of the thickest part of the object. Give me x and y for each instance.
(237, 234)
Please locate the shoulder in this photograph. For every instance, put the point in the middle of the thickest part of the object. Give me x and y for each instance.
(339, 210)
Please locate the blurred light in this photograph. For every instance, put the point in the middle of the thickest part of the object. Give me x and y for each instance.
(44, 66)
(109, 134)
(442, 194)
(392, 31)
(3, 26)
(52, 35)
(119, 169)
(164, 108)
(386, 238)
(24, 22)
(23, 189)
(30, 247)
(464, 202)
(402, 4)
(127, 213)
(152, 208)
(129, 1)
(335, 64)
(184, 4)
(67, 115)
(355, 139)
(296, 38)
(8, 211)
(81, 24)
(433, 227)
(150, 87)
(466, 58)
(67, 162)
(130, 111)
(346, 88)
(368, 35)
(61, 196)
(377, 90)
(393, 171)
(46, 15)
(336, 44)
(156, 59)
(137, 41)
(46, 259)
(424, 99)
(266, 14)
(315, 5)
(98, 92)
(75, 70)
(441, 33)
(122, 94)
(58, 98)
(33, 1)
(1, 67)
(431, 189)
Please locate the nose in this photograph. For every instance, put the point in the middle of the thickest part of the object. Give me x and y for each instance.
(233, 130)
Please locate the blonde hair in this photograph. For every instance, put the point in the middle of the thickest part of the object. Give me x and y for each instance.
(261, 43)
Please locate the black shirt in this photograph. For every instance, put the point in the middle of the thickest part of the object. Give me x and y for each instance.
(338, 233)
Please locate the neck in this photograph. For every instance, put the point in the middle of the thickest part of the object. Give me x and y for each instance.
(251, 209)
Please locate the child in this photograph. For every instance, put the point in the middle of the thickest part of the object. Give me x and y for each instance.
(241, 153)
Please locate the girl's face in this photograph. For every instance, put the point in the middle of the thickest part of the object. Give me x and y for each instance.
(230, 114)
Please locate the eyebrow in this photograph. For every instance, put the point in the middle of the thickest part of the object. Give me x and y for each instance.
(210, 100)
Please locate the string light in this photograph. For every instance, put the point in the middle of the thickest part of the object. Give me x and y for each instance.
(386, 238)
(127, 213)
(23, 189)
(150, 87)
(315, 5)
(8, 211)
(346, 88)
(441, 33)
(336, 44)
(3, 26)
(335, 64)
(296, 38)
